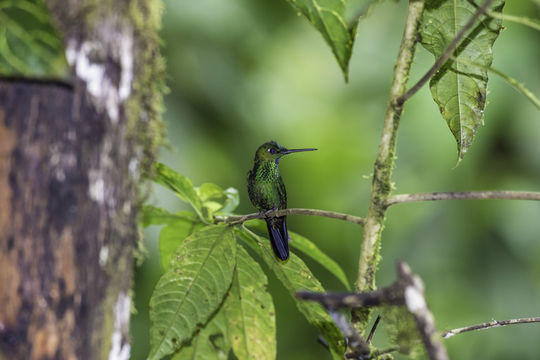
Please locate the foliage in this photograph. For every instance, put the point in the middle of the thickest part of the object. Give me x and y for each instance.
(207, 271)
(328, 17)
(29, 43)
(460, 90)
(198, 278)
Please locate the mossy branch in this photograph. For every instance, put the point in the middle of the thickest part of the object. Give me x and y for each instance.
(381, 186)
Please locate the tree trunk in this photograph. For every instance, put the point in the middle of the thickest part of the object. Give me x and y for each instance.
(70, 159)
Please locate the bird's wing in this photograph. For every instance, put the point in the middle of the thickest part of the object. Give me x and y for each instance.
(282, 194)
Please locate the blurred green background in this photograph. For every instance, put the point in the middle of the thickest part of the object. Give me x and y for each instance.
(244, 72)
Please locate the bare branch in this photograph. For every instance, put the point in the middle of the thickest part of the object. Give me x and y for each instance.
(446, 54)
(488, 325)
(239, 219)
(464, 195)
(355, 341)
(389, 295)
(407, 290)
(413, 291)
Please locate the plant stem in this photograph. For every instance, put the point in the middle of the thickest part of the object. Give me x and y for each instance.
(239, 219)
(464, 195)
(381, 186)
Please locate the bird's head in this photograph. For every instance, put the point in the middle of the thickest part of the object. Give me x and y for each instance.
(271, 150)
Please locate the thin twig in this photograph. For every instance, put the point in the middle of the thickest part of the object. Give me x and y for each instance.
(373, 328)
(239, 219)
(388, 350)
(321, 340)
(488, 325)
(446, 54)
(463, 195)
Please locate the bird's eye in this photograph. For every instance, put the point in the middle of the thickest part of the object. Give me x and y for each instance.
(272, 151)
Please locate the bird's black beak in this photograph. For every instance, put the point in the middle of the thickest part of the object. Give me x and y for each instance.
(290, 151)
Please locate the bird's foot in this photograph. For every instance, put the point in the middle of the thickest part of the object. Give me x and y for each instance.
(264, 214)
(268, 212)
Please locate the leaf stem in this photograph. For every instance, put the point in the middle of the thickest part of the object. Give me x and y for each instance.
(516, 19)
(381, 186)
(463, 195)
(239, 219)
(446, 54)
(488, 325)
(516, 84)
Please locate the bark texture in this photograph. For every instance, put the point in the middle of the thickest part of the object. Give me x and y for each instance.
(70, 158)
(60, 248)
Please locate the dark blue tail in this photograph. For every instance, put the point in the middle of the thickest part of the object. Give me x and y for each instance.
(279, 237)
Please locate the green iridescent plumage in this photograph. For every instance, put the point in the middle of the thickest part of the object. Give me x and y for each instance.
(267, 192)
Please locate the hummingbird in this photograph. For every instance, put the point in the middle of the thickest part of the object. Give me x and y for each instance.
(267, 192)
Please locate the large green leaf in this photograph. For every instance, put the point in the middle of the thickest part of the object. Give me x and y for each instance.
(249, 311)
(328, 17)
(306, 246)
(460, 89)
(29, 43)
(296, 276)
(180, 185)
(192, 289)
(211, 343)
(173, 235)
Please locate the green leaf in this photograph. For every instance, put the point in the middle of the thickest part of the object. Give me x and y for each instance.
(306, 246)
(151, 215)
(211, 343)
(192, 289)
(296, 276)
(173, 235)
(328, 17)
(459, 89)
(216, 200)
(232, 202)
(180, 185)
(249, 311)
(29, 43)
